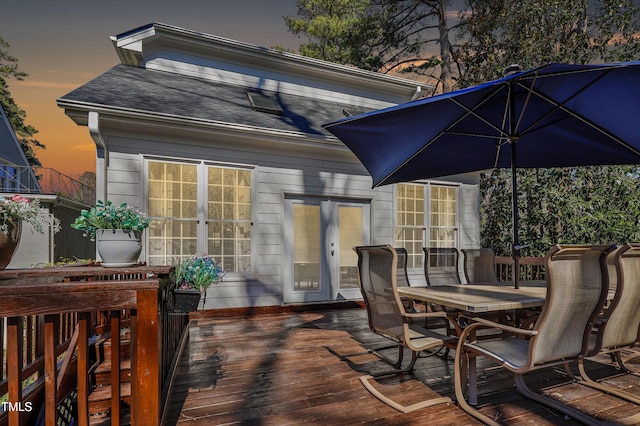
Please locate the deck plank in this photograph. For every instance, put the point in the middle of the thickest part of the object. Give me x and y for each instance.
(287, 369)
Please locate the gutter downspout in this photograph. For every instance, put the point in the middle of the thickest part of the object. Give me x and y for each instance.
(102, 155)
(417, 93)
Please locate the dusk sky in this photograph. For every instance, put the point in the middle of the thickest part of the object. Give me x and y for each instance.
(63, 44)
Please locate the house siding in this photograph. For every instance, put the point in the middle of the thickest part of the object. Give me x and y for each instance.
(181, 96)
(284, 177)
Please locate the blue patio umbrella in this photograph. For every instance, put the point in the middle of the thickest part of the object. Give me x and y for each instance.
(554, 115)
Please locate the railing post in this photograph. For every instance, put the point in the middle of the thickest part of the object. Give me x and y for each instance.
(83, 368)
(145, 363)
(51, 325)
(115, 368)
(14, 366)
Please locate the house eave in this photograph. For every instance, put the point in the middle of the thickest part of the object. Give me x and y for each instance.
(79, 111)
(134, 48)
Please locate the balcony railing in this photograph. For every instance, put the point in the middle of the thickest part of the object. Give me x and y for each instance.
(531, 268)
(22, 180)
(51, 317)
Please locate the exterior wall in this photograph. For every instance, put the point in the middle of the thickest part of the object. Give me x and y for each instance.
(35, 249)
(279, 173)
(469, 216)
(69, 243)
(286, 164)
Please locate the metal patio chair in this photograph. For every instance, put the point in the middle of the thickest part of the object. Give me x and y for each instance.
(441, 268)
(618, 326)
(441, 265)
(402, 277)
(377, 278)
(480, 266)
(577, 284)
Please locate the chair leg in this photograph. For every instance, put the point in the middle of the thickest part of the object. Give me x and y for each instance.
(588, 381)
(621, 361)
(397, 369)
(402, 408)
(395, 364)
(459, 384)
(578, 415)
(366, 382)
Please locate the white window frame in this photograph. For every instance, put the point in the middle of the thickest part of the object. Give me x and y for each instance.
(202, 197)
(427, 225)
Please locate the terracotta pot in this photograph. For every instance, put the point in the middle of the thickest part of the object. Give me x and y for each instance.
(9, 243)
(118, 247)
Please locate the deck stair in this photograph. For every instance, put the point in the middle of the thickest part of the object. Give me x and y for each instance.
(100, 377)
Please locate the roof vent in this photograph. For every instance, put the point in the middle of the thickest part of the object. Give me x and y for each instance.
(264, 103)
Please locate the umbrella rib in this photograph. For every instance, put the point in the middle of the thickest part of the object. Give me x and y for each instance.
(446, 131)
(560, 106)
(470, 111)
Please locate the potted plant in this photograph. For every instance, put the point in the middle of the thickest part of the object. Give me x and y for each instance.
(15, 211)
(191, 278)
(116, 230)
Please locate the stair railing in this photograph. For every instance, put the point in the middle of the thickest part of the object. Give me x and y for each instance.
(42, 320)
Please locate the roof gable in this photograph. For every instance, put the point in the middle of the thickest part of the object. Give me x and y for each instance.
(10, 150)
(182, 51)
(11, 154)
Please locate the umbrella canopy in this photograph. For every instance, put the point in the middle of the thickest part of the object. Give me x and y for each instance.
(555, 115)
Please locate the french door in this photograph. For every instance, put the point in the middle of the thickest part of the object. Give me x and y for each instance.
(320, 264)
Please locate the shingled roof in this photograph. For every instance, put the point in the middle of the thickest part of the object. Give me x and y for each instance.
(137, 89)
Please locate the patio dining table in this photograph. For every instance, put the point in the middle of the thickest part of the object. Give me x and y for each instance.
(477, 299)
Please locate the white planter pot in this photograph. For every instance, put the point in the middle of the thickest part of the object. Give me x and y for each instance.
(118, 248)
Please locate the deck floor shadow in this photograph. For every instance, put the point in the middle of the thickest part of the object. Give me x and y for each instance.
(294, 368)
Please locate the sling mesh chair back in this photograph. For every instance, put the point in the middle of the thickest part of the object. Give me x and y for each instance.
(402, 277)
(377, 278)
(441, 266)
(577, 284)
(480, 266)
(618, 326)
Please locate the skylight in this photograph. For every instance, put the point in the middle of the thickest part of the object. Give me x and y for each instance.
(264, 103)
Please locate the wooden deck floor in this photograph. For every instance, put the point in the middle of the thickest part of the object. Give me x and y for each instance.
(289, 369)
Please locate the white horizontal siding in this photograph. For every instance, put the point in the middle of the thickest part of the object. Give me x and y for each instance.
(469, 222)
(277, 174)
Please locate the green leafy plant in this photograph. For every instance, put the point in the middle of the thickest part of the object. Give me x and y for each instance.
(19, 208)
(197, 273)
(106, 215)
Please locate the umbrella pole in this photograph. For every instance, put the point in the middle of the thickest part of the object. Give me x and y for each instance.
(515, 249)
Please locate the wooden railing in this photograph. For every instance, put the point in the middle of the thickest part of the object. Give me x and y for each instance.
(531, 268)
(50, 324)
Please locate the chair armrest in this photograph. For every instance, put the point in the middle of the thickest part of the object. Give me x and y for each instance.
(504, 327)
(425, 314)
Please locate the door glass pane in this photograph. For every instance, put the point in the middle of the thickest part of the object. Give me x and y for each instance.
(350, 223)
(306, 247)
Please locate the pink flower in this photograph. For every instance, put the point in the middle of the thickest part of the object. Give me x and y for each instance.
(20, 199)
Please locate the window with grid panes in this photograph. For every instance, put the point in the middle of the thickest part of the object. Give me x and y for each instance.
(173, 200)
(229, 217)
(411, 220)
(443, 217)
(174, 204)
